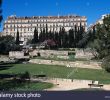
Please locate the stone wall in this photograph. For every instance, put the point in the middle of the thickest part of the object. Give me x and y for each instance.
(51, 53)
(83, 54)
(16, 54)
(4, 58)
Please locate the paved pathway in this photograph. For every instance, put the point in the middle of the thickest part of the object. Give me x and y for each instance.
(68, 84)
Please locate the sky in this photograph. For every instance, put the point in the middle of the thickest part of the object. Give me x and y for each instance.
(92, 9)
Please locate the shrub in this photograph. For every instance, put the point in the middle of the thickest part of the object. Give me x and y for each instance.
(106, 63)
(71, 53)
(38, 54)
(67, 49)
(25, 76)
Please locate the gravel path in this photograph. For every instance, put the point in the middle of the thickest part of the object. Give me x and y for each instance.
(68, 84)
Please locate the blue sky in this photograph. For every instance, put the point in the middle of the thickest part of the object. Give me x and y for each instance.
(92, 9)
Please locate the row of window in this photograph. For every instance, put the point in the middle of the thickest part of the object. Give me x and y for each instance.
(42, 25)
(21, 34)
(26, 29)
(46, 20)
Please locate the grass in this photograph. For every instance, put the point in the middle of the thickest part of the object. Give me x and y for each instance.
(60, 72)
(89, 89)
(27, 86)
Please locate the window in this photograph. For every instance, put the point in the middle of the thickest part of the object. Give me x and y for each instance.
(6, 30)
(6, 26)
(14, 27)
(24, 30)
(78, 19)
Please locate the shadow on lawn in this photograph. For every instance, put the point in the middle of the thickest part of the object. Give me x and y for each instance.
(3, 76)
(4, 66)
(13, 81)
(11, 84)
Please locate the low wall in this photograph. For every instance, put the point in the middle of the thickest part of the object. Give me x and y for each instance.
(47, 53)
(16, 54)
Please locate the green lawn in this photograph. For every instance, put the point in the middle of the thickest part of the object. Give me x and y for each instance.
(89, 89)
(27, 86)
(59, 72)
(34, 86)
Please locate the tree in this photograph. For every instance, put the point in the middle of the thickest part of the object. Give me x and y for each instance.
(46, 32)
(82, 37)
(101, 38)
(60, 38)
(35, 38)
(84, 41)
(17, 38)
(50, 36)
(56, 38)
(7, 43)
(75, 36)
(106, 64)
(64, 38)
(71, 37)
(41, 36)
(29, 41)
(25, 77)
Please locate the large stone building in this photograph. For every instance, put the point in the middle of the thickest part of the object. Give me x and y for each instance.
(26, 25)
(100, 21)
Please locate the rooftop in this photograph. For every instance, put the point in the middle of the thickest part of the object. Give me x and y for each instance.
(51, 17)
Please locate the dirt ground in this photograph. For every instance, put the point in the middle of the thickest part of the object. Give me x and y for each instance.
(67, 84)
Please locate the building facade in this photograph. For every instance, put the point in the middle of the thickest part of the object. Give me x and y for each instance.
(100, 21)
(26, 25)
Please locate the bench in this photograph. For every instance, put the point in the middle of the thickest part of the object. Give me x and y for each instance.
(95, 84)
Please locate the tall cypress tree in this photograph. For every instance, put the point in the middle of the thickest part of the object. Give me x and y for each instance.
(78, 36)
(17, 38)
(66, 42)
(75, 36)
(81, 31)
(50, 35)
(35, 38)
(64, 38)
(56, 37)
(71, 38)
(60, 37)
(93, 33)
(41, 36)
(46, 32)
